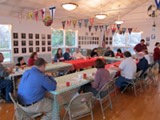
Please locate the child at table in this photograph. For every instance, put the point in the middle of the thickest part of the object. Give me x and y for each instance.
(21, 62)
(102, 76)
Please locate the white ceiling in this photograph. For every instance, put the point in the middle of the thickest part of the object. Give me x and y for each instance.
(86, 8)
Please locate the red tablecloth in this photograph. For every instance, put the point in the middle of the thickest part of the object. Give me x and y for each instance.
(84, 63)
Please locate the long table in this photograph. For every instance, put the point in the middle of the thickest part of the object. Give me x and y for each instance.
(113, 59)
(75, 83)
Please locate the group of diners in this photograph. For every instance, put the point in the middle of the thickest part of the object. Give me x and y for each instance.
(35, 82)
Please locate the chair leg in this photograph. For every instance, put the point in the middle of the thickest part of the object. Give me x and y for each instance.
(102, 109)
(134, 87)
(65, 115)
(91, 112)
(125, 88)
(110, 102)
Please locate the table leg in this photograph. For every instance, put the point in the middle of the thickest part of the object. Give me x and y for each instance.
(56, 109)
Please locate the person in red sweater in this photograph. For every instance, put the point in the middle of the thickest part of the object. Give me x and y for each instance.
(156, 54)
(140, 47)
(119, 53)
(32, 59)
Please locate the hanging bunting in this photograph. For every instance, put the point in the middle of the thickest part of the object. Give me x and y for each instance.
(118, 26)
(157, 4)
(74, 23)
(113, 27)
(52, 11)
(63, 24)
(68, 23)
(85, 22)
(80, 23)
(43, 13)
(123, 30)
(106, 26)
(103, 41)
(91, 20)
(130, 30)
(101, 27)
(36, 14)
(30, 15)
(96, 28)
(90, 27)
(107, 30)
(20, 17)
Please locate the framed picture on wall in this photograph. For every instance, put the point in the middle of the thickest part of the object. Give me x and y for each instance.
(30, 43)
(49, 42)
(23, 43)
(23, 35)
(110, 38)
(37, 42)
(43, 42)
(15, 35)
(153, 36)
(15, 43)
(43, 36)
(16, 50)
(43, 49)
(49, 49)
(37, 49)
(37, 36)
(79, 38)
(49, 36)
(23, 50)
(30, 36)
(31, 49)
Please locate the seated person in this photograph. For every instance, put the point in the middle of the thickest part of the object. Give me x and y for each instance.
(6, 85)
(32, 59)
(119, 53)
(32, 88)
(109, 52)
(128, 68)
(21, 62)
(78, 55)
(58, 57)
(140, 47)
(102, 76)
(94, 53)
(66, 55)
(143, 63)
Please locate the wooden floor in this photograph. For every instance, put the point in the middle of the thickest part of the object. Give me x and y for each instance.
(146, 106)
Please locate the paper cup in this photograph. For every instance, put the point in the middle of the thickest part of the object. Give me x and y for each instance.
(67, 84)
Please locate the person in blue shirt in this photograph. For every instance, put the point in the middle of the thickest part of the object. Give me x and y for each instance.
(32, 88)
(66, 55)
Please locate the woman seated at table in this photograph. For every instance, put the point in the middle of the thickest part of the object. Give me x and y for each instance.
(32, 59)
(94, 53)
(21, 62)
(78, 55)
(119, 53)
(58, 57)
(102, 76)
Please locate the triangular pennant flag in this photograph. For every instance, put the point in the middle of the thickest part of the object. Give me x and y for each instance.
(103, 41)
(91, 20)
(107, 30)
(85, 22)
(96, 28)
(43, 13)
(80, 23)
(52, 11)
(30, 15)
(63, 24)
(68, 23)
(20, 17)
(157, 4)
(74, 23)
(106, 26)
(118, 26)
(129, 30)
(36, 14)
(113, 27)
(101, 27)
(123, 30)
(89, 27)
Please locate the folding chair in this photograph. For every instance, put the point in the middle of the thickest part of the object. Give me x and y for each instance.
(20, 114)
(155, 72)
(79, 106)
(134, 82)
(104, 95)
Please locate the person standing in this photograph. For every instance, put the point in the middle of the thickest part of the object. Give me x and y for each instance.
(140, 47)
(32, 88)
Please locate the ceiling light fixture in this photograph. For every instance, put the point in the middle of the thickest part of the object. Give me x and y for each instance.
(69, 6)
(119, 21)
(101, 15)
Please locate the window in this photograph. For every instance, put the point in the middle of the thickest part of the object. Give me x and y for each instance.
(126, 41)
(63, 39)
(5, 40)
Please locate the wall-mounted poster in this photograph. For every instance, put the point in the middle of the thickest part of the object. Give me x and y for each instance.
(15, 43)
(31, 49)
(43, 36)
(37, 36)
(49, 36)
(30, 43)
(15, 35)
(16, 50)
(23, 43)
(43, 49)
(49, 42)
(23, 35)
(37, 49)
(23, 50)
(153, 36)
(43, 42)
(37, 42)
(147, 41)
(30, 36)
(49, 49)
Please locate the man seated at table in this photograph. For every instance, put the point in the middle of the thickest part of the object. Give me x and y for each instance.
(6, 85)
(109, 52)
(32, 88)
(78, 55)
(67, 55)
(127, 68)
(140, 47)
